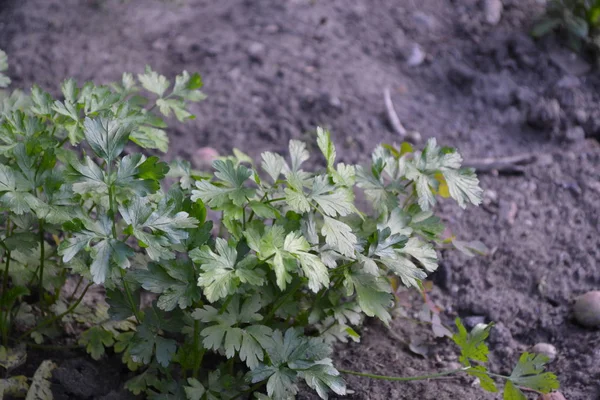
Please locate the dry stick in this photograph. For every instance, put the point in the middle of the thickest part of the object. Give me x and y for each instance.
(510, 164)
(395, 121)
(391, 113)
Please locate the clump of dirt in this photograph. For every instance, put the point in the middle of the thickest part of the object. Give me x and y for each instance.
(274, 70)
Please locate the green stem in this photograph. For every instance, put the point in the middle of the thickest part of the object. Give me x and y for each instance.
(282, 300)
(76, 288)
(5, 312)
(250, 390)
(4, 316)
(403, 378)
(57, 317)
(130, 297)
(42, 260)
(198, 352)
(274, 200)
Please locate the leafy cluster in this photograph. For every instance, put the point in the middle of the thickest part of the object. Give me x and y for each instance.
(252, 310)
(578, 20)
(528, 374)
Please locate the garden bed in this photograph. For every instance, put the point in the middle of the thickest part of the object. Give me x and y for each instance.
(274, 70)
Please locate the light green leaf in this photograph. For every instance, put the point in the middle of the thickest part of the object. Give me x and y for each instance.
(297, 200)
(40, 385)
(529, 373)
(218, 278)
(150, 137)
(232, 188)
(154, 82)
(339, 236)
(326, 145)
(194, 390)
(463, 186)
(472, 345)
(511, 392)
(373, 294)
(107, 137)
(333, 201)
(273, 164)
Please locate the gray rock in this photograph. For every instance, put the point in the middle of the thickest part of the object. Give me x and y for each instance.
(257, 51)
(568, 82)
(492, 10)
(424, 22)
(415, 55)
(574, 134)
(472, 320)
(569, 62)
(587, 309)
(545, 349)
(545, 114)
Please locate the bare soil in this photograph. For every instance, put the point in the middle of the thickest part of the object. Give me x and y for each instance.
(276, 69)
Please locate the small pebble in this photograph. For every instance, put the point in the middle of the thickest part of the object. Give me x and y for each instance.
(493, 11)
(587, 309)
(545, 349)
(204, 157)
(552, 396)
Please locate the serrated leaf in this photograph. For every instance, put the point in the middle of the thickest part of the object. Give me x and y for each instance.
(273, 164)
(40, 388)
(529, 373)
(339, 236)
(472, 344)
(326, 145)
(511, 392)
(486, 382)
(333, 201)
(107, 137)
(154, 82)
(194, 390)
(150, 137)
(297, 200)
(232, 179)
(372, 293)
(95, 340)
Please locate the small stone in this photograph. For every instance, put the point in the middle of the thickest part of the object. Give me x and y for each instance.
(415, 55)
(587, 309)
(508, 211)
(203, 158)
(272, 28)
(581, 116)
(569, 62)
(424, 22)
(545, 114)
(473, 320)
(568, 82)
(552, 396)
(257, 51)
(545, 349)
(493, 11)
(575, 134)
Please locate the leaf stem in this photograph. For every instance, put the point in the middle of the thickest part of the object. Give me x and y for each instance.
(56, 317)
(130, 297)
(5, 312)
(3, 300)
(282, 300)
(42, 259)
(198, 353)
(403, 378)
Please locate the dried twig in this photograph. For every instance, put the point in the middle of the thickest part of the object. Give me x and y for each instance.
(391, 113)
(503, 165)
